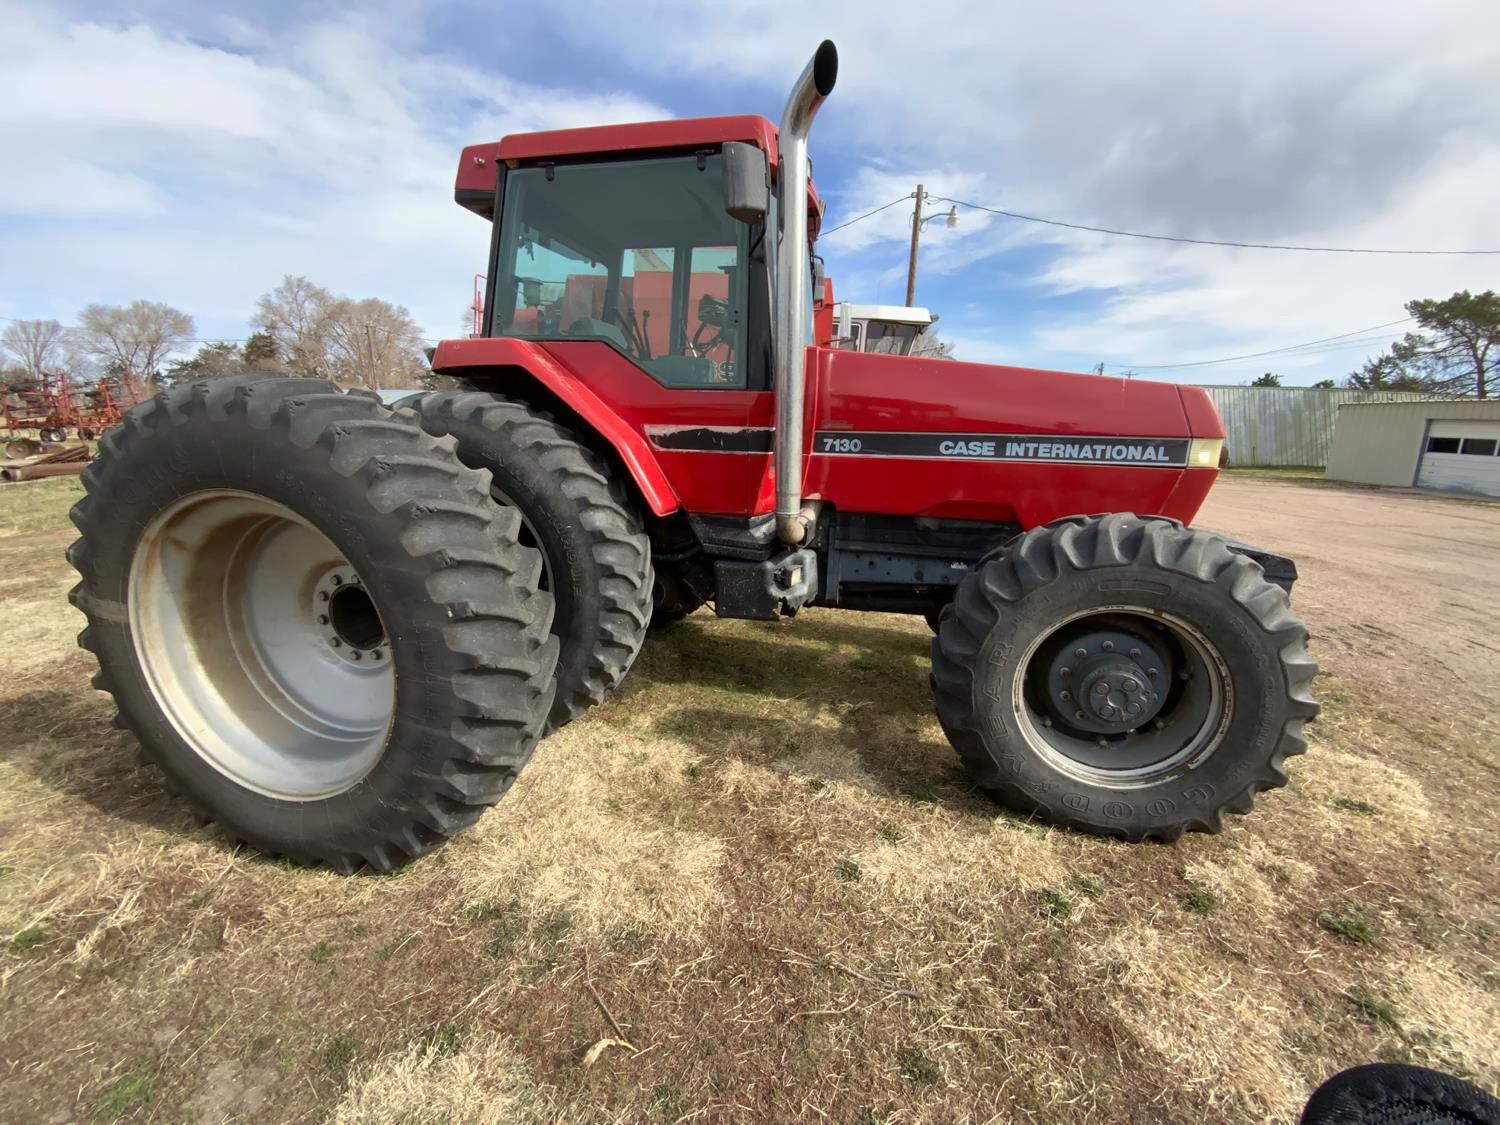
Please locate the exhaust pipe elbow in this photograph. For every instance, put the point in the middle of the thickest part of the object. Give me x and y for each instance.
(790, 294)
(792, 530)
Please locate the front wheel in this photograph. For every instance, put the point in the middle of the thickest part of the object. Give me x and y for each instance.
(1123, 675)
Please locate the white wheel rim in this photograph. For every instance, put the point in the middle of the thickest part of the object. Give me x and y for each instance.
(228, 605)
(1196, 742)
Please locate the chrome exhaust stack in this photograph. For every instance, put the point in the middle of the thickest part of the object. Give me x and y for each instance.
(793, 267)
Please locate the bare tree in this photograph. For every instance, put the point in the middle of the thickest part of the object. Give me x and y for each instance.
(295, 316)
(36, 345)
(137, 337)
(373, 343)
(356, 343)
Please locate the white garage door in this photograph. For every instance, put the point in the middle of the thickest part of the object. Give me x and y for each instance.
(1464, 456)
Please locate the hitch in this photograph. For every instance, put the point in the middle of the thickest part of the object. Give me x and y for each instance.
(768, 589)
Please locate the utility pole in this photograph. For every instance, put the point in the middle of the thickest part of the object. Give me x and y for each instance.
(916, 234)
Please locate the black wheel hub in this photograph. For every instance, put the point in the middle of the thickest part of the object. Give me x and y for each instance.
(1107, 681)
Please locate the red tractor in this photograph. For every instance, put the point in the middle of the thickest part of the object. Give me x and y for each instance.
(340, 629)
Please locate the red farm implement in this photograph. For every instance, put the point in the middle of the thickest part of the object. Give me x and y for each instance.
(54, 404)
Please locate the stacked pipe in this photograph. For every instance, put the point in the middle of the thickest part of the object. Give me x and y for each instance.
(63, 462)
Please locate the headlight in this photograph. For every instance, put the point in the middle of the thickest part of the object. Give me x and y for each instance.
(1203, 453)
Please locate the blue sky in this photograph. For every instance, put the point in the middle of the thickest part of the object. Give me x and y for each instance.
(176, 152)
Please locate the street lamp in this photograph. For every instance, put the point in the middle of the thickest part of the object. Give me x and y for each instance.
(917, 221)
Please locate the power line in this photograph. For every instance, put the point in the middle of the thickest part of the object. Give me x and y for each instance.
(867, 214)
(1164, 237)
(1200, 241)
(1260, 355)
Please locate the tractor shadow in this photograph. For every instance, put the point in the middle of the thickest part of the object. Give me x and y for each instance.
(826, 695)
(62, 738)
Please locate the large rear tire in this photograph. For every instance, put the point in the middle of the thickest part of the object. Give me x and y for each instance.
(312, 617)
(1123, 675)
(578, 515)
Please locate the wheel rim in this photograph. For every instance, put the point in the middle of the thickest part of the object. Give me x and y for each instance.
(1123, 695)
(261, 644)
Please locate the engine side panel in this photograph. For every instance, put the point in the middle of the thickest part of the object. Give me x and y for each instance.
(927, 437)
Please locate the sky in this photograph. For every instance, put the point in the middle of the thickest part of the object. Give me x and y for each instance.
(176, 152)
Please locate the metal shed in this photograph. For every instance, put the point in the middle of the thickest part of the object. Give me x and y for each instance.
(1451, 444)
(1286, 425)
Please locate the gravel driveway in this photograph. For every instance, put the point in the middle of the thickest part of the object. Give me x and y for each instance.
(1399, 586)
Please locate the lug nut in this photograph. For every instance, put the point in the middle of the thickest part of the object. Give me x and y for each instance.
(322, 619)
(1108, 646)
(1101, 688)
(322, 595)
(335, 642)
(1134, 708)
(1159, 724)
(1065, 696)
(1065, 672)
(375, 655)
(1077, 714)
(1151, 672)
(357, 654)
(1080, 652)
(1135, 654)
(338, 580)
(1130, 685)
(1046, 720)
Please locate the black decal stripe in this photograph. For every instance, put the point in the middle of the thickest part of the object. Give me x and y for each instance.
(1039, 448)
(710, 440)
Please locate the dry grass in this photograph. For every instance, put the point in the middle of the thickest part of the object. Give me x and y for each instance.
(485, 1085)
(762, 860)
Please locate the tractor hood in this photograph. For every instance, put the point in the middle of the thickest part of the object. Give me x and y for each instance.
(940, 438)
(920, 394)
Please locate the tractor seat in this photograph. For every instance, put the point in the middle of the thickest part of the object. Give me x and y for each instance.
(600, 330)
(682, 370)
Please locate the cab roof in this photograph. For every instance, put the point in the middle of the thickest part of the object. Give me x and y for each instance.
(474, 188)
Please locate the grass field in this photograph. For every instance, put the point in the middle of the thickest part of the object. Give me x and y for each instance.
(760, 867)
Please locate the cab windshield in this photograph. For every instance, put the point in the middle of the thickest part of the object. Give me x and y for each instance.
(637, 253)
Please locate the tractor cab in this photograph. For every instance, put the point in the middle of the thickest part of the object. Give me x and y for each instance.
(637, 253)
(650, 238)
(883, 329)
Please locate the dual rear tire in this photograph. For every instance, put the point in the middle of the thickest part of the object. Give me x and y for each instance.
(340, 630)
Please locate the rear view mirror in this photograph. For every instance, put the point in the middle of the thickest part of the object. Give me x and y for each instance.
(818, 278)
(747, 182)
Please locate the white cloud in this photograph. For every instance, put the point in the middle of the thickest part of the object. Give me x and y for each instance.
(1343, 123)
(199, 167)
(158, 165)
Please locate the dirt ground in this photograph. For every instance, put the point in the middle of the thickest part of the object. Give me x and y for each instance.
(760, 866)
(1396, 579)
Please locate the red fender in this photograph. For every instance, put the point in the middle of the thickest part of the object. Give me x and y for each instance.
(461, 358)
